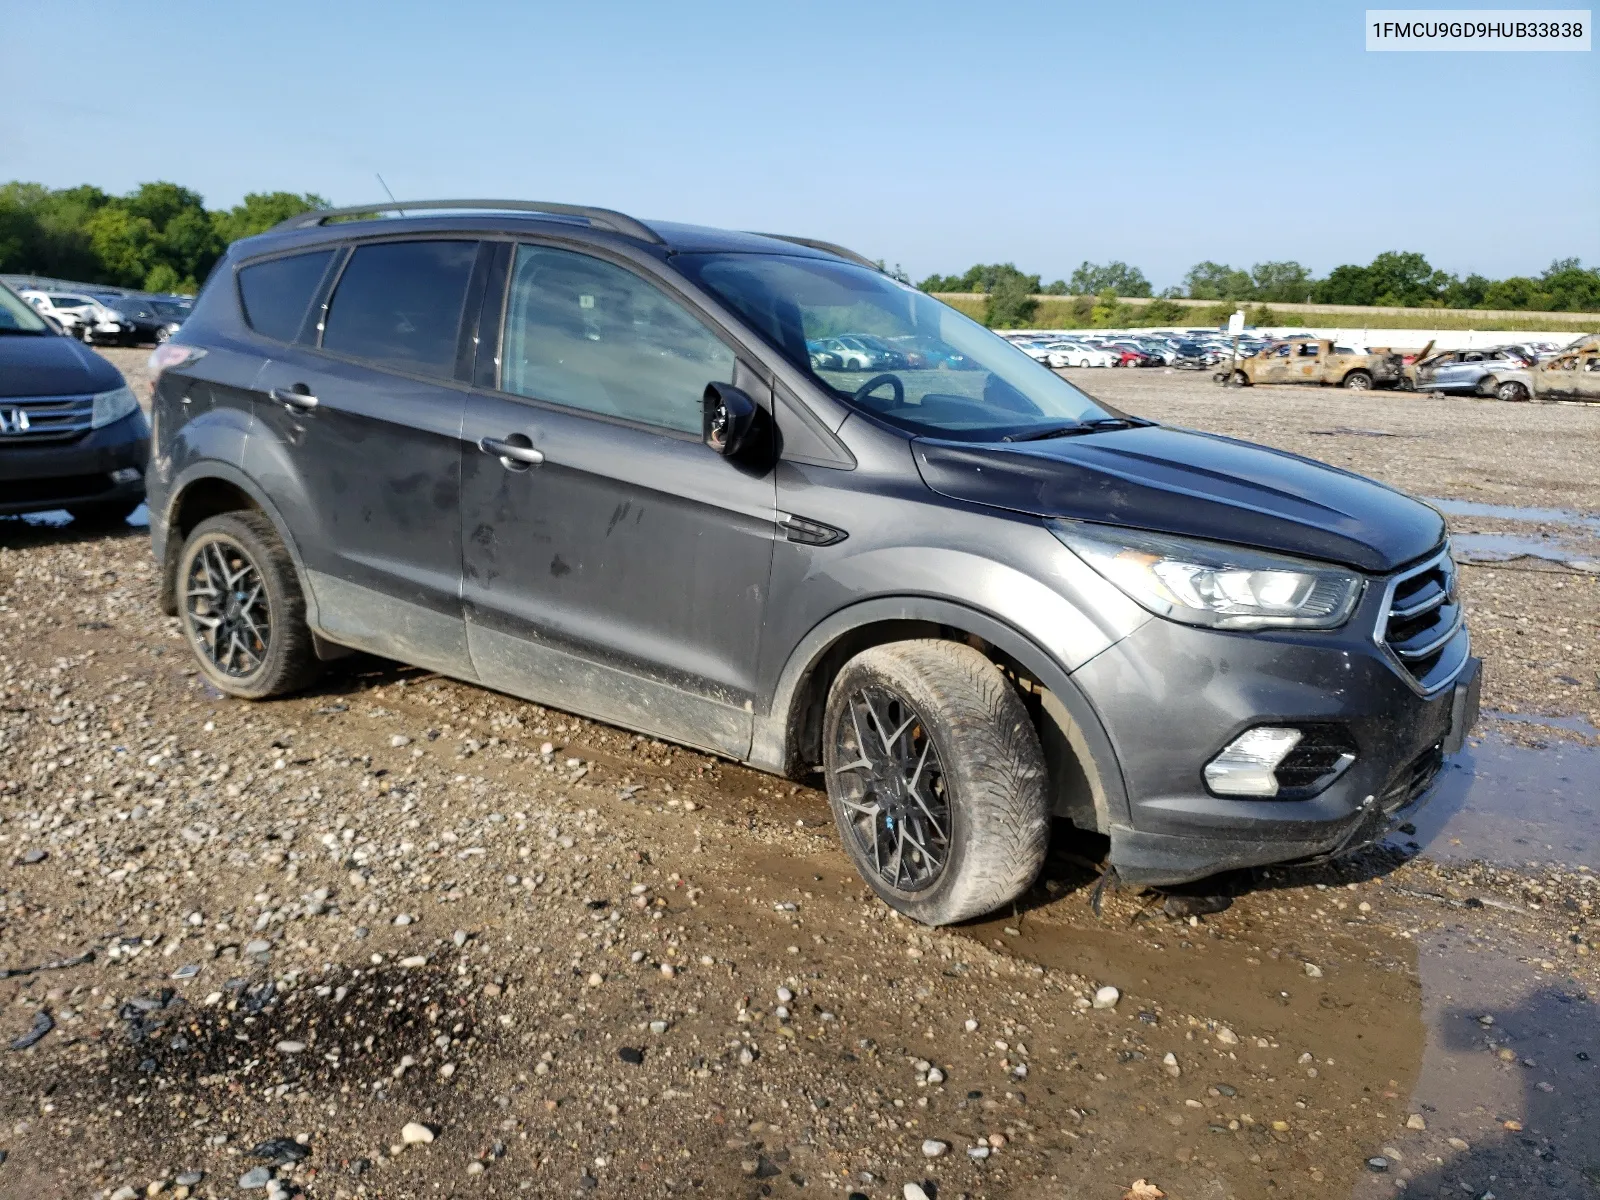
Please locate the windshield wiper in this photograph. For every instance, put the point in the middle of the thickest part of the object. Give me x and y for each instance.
(1038, 435)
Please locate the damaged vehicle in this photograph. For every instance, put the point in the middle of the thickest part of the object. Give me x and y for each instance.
(1573, 374)
(1319, 361)
(595, 463)
(1463, 372)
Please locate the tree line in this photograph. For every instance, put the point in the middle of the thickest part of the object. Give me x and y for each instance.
(158, 238)
(1392, 279)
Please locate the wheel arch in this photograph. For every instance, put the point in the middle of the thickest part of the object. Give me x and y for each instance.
(1086, 779)
(205, 490)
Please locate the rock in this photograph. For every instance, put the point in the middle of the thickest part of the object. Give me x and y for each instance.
(934, 1148)
(404, 919)
(1458, 1143)
(281, 1150)
(978, 1152)
(631, 1055)
(971, 1026)
(747, 1055)
(785, 996)
(290, 1047)
(935, 1076)
(658, 1027)
(414, 961)
(475, 1168)
(1106, 997)
(1416, 1121)
(913, 1191)
(415, 1133)
(255, 1178)
(257, 946)
(1227, 1036)
(668, 970)
(596, 979)
(1377, 1164)
(1314, 971)
(189, 1178)
(33, 856)
(1169, 1063)
(459, 937)
(124, 1193)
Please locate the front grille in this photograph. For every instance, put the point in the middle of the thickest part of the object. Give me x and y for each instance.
(1318, 758)
(1416, 777)
(1422, 624)
(32, 420)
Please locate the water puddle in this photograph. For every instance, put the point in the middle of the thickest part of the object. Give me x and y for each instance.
(1513, 512)
(1579, 725)
(60, 518)
(1508, 804)
(1503, 547)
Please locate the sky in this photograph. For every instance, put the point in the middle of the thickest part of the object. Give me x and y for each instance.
(932, 134)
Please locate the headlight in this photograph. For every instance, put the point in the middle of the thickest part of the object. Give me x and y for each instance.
(113, 406)
(1211, 584)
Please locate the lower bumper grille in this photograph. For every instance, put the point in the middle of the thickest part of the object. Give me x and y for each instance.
(1415, 779)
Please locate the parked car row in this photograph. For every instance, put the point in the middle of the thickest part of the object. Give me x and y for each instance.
(1184, 349)
(105, 317)
(1514, 373)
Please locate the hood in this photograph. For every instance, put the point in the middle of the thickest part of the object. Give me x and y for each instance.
(51, 365)
(1193, 485)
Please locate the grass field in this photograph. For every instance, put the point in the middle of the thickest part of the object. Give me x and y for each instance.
(1056, 312)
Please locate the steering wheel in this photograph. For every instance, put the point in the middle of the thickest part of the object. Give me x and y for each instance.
(877, 381)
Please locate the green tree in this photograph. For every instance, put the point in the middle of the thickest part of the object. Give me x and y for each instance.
(1057, 288)
(1466, 293)
(123, 243)
(1094, 278)
(1285, 282)
(260, 211)
(1010, 303)
(1347, 284)
(1215, 281)
(1570, 287)
(1517, 292)
(1162, 311)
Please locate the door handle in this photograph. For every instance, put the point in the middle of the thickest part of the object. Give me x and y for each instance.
(510, 454)
(293, 398)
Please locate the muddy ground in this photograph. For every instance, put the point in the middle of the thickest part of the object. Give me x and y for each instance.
(576, 962)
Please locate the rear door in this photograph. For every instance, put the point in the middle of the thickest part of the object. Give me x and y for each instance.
(613, 564)
(357, 441)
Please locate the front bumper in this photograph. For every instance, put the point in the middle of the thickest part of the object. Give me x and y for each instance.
(1172, 696)
(60, 474)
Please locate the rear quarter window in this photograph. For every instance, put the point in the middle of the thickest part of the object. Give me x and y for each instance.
(275, 294)
(399, 304)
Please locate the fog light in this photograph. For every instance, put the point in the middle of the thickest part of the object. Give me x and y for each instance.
(125, 475)
(1247, 764)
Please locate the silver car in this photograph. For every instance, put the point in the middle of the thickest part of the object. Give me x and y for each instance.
(1464, 371)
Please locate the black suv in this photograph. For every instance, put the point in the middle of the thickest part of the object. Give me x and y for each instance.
(593, 462)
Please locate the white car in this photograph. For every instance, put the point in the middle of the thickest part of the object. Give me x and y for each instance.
(1038, 351)
(82, 316)
(1076, 354)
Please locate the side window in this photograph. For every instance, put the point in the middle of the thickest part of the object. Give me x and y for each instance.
(399, 303)
(276, 293)
(592, 336)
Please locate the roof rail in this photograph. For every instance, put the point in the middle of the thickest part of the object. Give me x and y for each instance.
(601, 218)
(828, 247)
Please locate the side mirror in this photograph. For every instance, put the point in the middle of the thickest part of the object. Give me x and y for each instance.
(729, 417)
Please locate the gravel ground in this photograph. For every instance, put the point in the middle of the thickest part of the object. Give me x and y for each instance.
(401, 936)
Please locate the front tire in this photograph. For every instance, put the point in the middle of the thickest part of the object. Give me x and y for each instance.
(1512, 392)
(241, 608)
(936, 779)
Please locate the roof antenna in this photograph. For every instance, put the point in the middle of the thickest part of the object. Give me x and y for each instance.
(392, 200)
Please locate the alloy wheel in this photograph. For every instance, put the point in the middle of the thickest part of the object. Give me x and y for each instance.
(225, 603)
(890, 782)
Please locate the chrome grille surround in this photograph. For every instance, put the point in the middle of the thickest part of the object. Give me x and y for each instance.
(1421, 625)
(37, 420)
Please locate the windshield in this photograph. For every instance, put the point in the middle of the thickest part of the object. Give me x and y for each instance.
(17, 315)
(891, 350)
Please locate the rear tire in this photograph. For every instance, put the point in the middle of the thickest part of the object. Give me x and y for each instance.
(1512, 392)
(936, 779)
(1358, 381)
(241, 608)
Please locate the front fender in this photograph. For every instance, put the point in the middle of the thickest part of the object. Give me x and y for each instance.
(777, 732)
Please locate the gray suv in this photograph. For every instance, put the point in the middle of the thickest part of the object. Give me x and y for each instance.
(592, 462)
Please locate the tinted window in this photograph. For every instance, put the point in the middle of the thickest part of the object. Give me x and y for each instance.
(589, 335)
(400, 303)
(276, 294)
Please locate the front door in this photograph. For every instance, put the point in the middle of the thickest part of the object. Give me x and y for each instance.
(357, 441)
(613, 564)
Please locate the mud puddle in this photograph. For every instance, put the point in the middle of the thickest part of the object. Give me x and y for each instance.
(1509, 804)
(1503, 547)
(1509, 1091)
